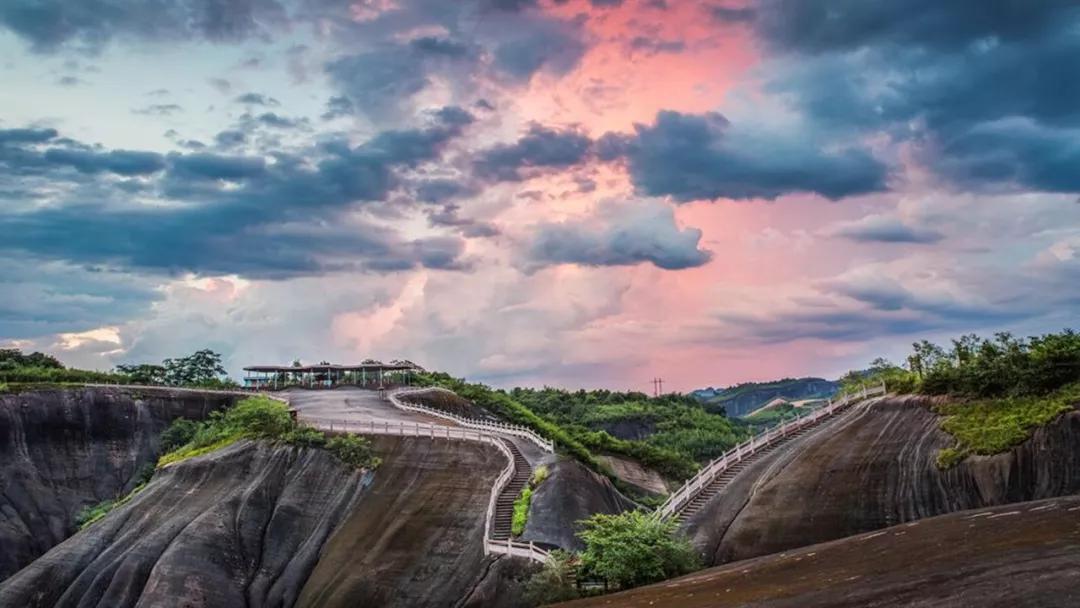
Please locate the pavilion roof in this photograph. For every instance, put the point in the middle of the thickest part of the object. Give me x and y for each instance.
(327, 367)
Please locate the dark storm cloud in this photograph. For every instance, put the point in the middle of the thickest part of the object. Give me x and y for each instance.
(121, 162)
(540, 148)
(230, 214)
(692, 157)
(49, 24)
(26, 136)
(989, 91)
(439, 46)
(619, 235)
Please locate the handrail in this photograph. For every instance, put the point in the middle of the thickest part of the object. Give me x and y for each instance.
(705, 476)
(501, 427)
(440, 431)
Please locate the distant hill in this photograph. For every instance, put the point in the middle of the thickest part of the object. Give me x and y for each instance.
(744, 398)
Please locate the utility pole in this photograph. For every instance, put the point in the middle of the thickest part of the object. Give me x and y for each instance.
(657, 387)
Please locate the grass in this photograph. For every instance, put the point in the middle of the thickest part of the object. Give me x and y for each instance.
(258, 417)
(522, 502)
(521, 511)
(991, 426)
(89, 515)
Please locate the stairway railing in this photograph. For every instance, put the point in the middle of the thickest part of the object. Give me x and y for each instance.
(678, 499)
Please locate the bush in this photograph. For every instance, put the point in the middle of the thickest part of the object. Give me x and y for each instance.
(305, 436)
(540, 474)
(353, 450)
(555, 582)
(260, 417)
(521, 511)
(633, 548)
(179, 433)
(990, 426)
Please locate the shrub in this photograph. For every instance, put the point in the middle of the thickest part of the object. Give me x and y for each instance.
(634, 548)
(555, 582)
(179, 433)
(353, 450)
(990, 426)
(521, 511)
(260, 417)
(540, 474)
(305, 436)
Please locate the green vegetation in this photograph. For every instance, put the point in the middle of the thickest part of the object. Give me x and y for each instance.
(91, 514)
(201, 369)
(989, 426)
(521, 511)
(774, 415)
(522, 502)
(680, 433)
(258, 417)
(556, 582)
(1003, 387)
(633, 548)
(38, 368)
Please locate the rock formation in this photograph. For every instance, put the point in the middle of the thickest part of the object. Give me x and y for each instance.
(64, 449)
(242, 526)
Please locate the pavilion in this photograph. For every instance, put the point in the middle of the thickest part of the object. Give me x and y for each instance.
(371, 374)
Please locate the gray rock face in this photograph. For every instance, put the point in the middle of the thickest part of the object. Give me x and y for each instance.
(64, 449)
(416, 536)
(243, 526)
(572, 492)
(1018, 555)
(872, 469)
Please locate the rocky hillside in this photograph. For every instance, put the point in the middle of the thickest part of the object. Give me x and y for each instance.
(742, 399)
(64, 449)
(1025, 554)
(873, 468)
(415, 537)
(243, 526)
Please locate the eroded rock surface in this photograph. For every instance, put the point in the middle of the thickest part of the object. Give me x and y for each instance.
(416, 537)
(571, 492)
(243, 526)
(875, 467)
(1017, 555)
(64, 449)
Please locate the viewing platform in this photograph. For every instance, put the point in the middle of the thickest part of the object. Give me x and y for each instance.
(369, 374)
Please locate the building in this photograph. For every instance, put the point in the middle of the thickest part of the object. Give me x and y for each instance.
(369, 374)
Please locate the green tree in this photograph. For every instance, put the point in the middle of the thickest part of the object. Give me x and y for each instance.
(634, 548)
(143, 373)
(200, 368)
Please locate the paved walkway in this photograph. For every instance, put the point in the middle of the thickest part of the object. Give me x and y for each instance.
(354, 405)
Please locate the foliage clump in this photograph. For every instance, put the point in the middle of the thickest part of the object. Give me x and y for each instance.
(634, 548)
(1002, 387)
(555, 582)
(258, 417)
(39, 368)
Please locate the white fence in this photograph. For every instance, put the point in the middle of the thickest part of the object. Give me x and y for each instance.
(439, 431)
(681, 497)
(472, 423)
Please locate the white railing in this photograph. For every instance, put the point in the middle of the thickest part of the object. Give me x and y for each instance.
(681, 497)
(440, 431)
(473, 423)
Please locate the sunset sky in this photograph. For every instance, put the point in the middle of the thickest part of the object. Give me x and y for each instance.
(524, 192)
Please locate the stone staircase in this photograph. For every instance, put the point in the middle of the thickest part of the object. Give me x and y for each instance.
(724, 479)
(504, 506)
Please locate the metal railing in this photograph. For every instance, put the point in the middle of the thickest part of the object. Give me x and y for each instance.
(705, 476)
(473, 423)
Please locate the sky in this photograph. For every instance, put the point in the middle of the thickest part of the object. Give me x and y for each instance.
(578, 193)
